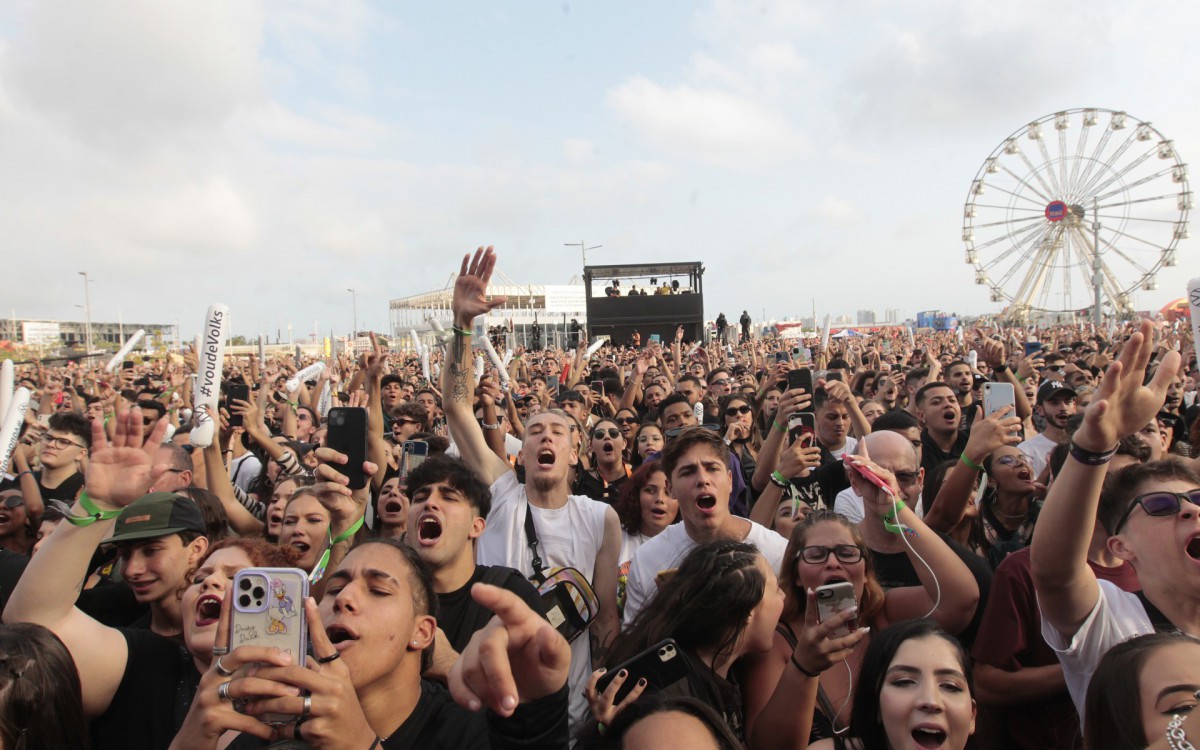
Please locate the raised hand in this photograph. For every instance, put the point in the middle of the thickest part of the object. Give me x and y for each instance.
(988, 434)
(1122, 405)
(518, 657)
(121, 472)
(470, 288)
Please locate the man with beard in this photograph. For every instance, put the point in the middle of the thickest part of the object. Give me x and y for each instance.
(448, 513)
(572, 530)
(941, 438)
(960, 378)
(1056, 403)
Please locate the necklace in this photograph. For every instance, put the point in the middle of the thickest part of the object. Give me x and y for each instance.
(1010, 517)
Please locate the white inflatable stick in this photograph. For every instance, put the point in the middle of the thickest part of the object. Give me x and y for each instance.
(416, 341)
(501, 373)
(324, 401)
(311, 372)
(6, 386)
(425, 364)
(595, 347)
(262, 349)
(825, 333)
(211, 353)
(124, 350)
(478, 368)
(10, 430)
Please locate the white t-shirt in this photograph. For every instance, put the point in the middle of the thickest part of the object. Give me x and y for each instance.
(1037, 449)
(244, 470)
(851, 444)
(668, 549)
(570, 536)
(850, 504)
(1117, 617)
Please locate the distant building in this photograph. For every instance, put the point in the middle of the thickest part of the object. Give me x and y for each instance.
(55, 333)
(552, 306)
(891, 315)
(866, 317)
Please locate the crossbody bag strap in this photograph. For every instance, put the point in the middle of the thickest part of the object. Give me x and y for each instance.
(531, 539)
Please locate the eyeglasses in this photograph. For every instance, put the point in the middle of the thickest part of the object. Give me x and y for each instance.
(1161, 503)
(1011, 461)
(612, 433)
(721, 381)
(648, 437)
(846, 553)
(905, 478)
(61, 443)
(733, 411)
(626, 420)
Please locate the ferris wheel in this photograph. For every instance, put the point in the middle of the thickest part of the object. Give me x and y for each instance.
(1029, 223)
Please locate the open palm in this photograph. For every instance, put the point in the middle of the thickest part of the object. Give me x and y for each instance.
(120, 472)
(470, 288)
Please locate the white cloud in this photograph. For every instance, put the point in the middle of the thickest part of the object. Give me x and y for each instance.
(709, 126)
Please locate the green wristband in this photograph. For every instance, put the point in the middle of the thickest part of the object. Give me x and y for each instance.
(970, 464)
(318, 570)
(94, 513)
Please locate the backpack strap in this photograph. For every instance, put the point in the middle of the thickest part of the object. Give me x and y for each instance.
(531, 539)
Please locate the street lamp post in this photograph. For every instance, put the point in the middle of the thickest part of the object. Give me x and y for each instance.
(354, 305)
(87, 312)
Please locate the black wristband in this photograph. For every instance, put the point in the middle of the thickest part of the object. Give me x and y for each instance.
(796, 663)
(1091, 458)
(1000, 369)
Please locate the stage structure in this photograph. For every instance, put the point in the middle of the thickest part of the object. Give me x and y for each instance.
(674, 296)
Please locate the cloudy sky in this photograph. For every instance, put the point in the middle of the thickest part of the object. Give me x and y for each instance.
(270, 155)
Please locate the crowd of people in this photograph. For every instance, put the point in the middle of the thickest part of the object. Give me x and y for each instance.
(682, 544)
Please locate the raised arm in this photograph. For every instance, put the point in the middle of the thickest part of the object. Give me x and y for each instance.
(987, 435)
(1066, 586)
(949, 588)
(458, 375)
(117, 474)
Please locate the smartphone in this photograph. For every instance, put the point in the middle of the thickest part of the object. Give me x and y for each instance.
(127, 365)
(783, 357)
(268, 610)
(348, 434)
(552, 383)
(1031, 347)
(597, 386)
(802, 426)
(661, 666)
(996, 396)
(800, 378)
(415, 452)
(833, 598)
(241, 392)
(800, 354)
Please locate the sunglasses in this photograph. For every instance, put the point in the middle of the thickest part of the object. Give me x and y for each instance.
(12, 501)
(720, 381)
(847, 553)
(733, 411)
(626, 420)
(612, 433)
(1161, 503)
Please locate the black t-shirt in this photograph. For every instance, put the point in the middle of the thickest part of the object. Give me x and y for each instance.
(932, 456)
(895, 570)
(113, 604)
(598, 488)
(460, 616)
(12, 565)
(66, 491)
(438, 723)
(153, 698)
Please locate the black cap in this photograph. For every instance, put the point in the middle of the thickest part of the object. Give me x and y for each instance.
(158, 514)
(1052, 389)
(570, 395)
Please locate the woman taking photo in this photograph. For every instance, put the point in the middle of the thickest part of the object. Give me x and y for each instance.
(915, 692)
(828, 549)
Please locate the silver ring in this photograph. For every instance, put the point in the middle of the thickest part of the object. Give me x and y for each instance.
(220, 650)
(307, 709)
(223, 691)
(221, 670)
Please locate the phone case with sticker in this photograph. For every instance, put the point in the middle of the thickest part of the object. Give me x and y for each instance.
(268, 610)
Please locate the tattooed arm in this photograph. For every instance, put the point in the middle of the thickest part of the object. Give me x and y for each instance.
(458, 374)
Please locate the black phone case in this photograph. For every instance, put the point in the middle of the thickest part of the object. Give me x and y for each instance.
(800, 378)
(238, 391)
(662, 665)
(348, 434)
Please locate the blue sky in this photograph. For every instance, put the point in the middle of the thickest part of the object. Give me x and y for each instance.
(270, 155)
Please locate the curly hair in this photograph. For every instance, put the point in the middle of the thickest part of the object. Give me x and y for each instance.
(629, 503)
